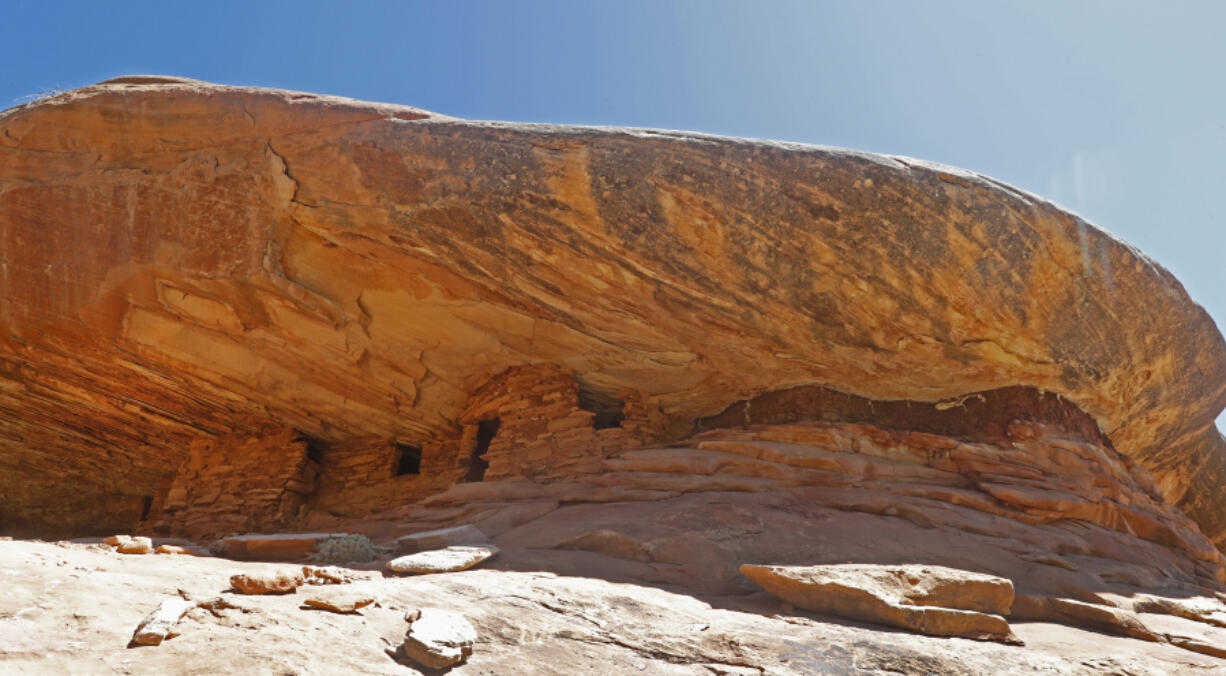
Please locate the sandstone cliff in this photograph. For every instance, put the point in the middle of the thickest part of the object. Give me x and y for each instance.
(183, 263)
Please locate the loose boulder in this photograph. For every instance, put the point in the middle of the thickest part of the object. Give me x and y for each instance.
(438, 638)
(268, 582)
(930, 600)
(135, 545)
(449, 560)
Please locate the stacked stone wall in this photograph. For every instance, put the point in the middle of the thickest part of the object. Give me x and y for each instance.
(543, 432)
(271, 479)
(361, 476)
(235, 484)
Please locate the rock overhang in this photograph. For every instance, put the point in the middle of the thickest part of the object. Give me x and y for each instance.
(214, 257)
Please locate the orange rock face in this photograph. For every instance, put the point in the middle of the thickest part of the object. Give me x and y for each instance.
(183, 264)
(930, 600)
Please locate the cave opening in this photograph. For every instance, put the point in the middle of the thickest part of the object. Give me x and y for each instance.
(410, 459)
(486, 431)
(609, 410)
(146, 505)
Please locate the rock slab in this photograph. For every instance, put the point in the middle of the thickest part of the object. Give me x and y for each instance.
(269, 582)
(344, 604)
(449, 560)
(159, 625)
(438, 638)
(931, 600)
(128, 544)
(135, 545)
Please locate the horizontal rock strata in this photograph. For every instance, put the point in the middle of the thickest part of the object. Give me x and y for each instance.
(1060, 518)
(185, 263)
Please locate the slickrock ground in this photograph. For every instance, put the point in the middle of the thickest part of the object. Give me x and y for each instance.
(639, 362)
(72, 608)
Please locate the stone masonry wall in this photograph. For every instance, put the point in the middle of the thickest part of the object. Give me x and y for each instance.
(270, 480)
(361, 476)
(543, 431)
(237, 484)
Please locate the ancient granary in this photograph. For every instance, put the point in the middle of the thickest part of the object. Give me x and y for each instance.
(231, 309)
(531, 421)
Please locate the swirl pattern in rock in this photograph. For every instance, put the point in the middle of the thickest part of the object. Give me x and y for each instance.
(180, 261)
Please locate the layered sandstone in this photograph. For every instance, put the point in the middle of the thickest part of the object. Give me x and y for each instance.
(184, 265)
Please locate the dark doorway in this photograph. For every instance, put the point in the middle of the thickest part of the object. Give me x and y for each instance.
(146, 504)
(315, 447)
(486, 431)
(609, 410)
(410, 459)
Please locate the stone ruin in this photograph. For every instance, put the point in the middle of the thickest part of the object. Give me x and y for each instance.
(668, 359)
(530, 422)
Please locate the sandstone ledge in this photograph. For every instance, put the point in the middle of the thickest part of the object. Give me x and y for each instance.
(187, 260)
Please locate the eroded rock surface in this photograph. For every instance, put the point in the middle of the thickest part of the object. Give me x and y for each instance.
(189, 265)
(526, 623)
(930, 600)
(637, 360)
(277, 581)
(438, 638)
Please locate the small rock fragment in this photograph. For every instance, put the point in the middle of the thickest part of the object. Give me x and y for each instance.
(345, 605)
(444, 537)
(115, 540)
(136, 545)
(318, 575)
(438, 638)
(176, 549)
(268, 582)
(159, 625)
(215, 606)
(449, 560)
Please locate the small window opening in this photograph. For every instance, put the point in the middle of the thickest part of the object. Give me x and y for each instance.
(146, 504)
(486, 431)
(609, 410)
(315, 446)
(410, 459)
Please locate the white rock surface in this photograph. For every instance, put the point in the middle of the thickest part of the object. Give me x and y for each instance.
(159, 625)
(449, 560)
(135, 545)
(438, 638)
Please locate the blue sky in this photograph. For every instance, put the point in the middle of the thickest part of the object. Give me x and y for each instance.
(1116, 110)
